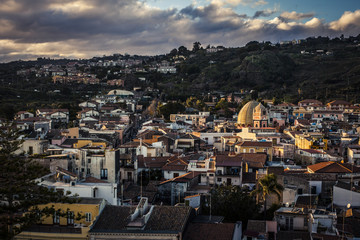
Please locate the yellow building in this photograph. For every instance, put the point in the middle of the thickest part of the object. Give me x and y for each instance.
(68, 226)
(71, 133)
(86, 142)
(301, 112)
(255, 147)
(310, 141)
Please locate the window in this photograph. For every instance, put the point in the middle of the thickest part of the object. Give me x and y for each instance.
(289, 223)
(211, 174)
(31, 151)
(56, 218)
(88, 217)
(176, 175)
(313, 189)
(89, 160)
(70, 218)
(88, 171)
(104, 174)
(300, 191)
(219, 179)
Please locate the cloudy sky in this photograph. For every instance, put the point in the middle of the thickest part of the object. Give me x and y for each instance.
(87, 28)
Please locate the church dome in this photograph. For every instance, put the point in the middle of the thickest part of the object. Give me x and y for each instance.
(246, 113)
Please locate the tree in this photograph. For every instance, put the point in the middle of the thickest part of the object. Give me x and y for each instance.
(173, 52)
(196, 46)
(19, 191)
(170, 108)
(233, 203)
(266, 186)
(182, 51)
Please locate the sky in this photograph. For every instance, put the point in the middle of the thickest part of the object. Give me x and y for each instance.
(87, 28)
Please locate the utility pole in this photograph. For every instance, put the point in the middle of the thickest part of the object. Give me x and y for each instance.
(210, 209)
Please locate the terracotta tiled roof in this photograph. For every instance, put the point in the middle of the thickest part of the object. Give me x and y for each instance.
(21, 112)
(175, 165)
(228, 161)
(310, 101)
(312, 151)
(256, 226)
(93, 180)
(50, 110)
(151, 162)
(254, 157)
(306, 201)
(339, 102)
(62, 170)
(249, 177)
(332, 167)
(209, 231)
(255, 144)
(331, 177)
(286, 105)
(303, 121)
(183, 178)
(33, 119)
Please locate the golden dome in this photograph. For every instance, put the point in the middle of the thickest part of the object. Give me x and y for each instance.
(246, 113)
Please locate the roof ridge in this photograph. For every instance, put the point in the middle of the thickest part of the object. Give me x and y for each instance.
(343, 167)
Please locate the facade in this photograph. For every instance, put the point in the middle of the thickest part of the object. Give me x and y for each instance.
(353, 153)
(229, 169)
(260, 117)
(292, 219)
(255, 147)
(90, 188)
(346, 193)
(58, 227)
(33, 147)
(104, 165)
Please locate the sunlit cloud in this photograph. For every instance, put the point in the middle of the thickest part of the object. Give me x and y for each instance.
(296, 16)
(86, 28)
(346, 21)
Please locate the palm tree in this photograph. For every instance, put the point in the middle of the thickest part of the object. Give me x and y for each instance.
(266, 186)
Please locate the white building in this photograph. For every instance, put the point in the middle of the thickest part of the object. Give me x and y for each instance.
(346, 193)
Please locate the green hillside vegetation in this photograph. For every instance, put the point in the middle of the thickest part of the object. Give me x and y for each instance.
(280, 71)
(320, 68)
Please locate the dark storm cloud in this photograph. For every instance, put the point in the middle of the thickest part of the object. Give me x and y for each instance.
(264, 13)
(46, 24)
(84, 28)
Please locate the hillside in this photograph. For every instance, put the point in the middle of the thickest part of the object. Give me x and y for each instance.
(320, 68)
(326, 69)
